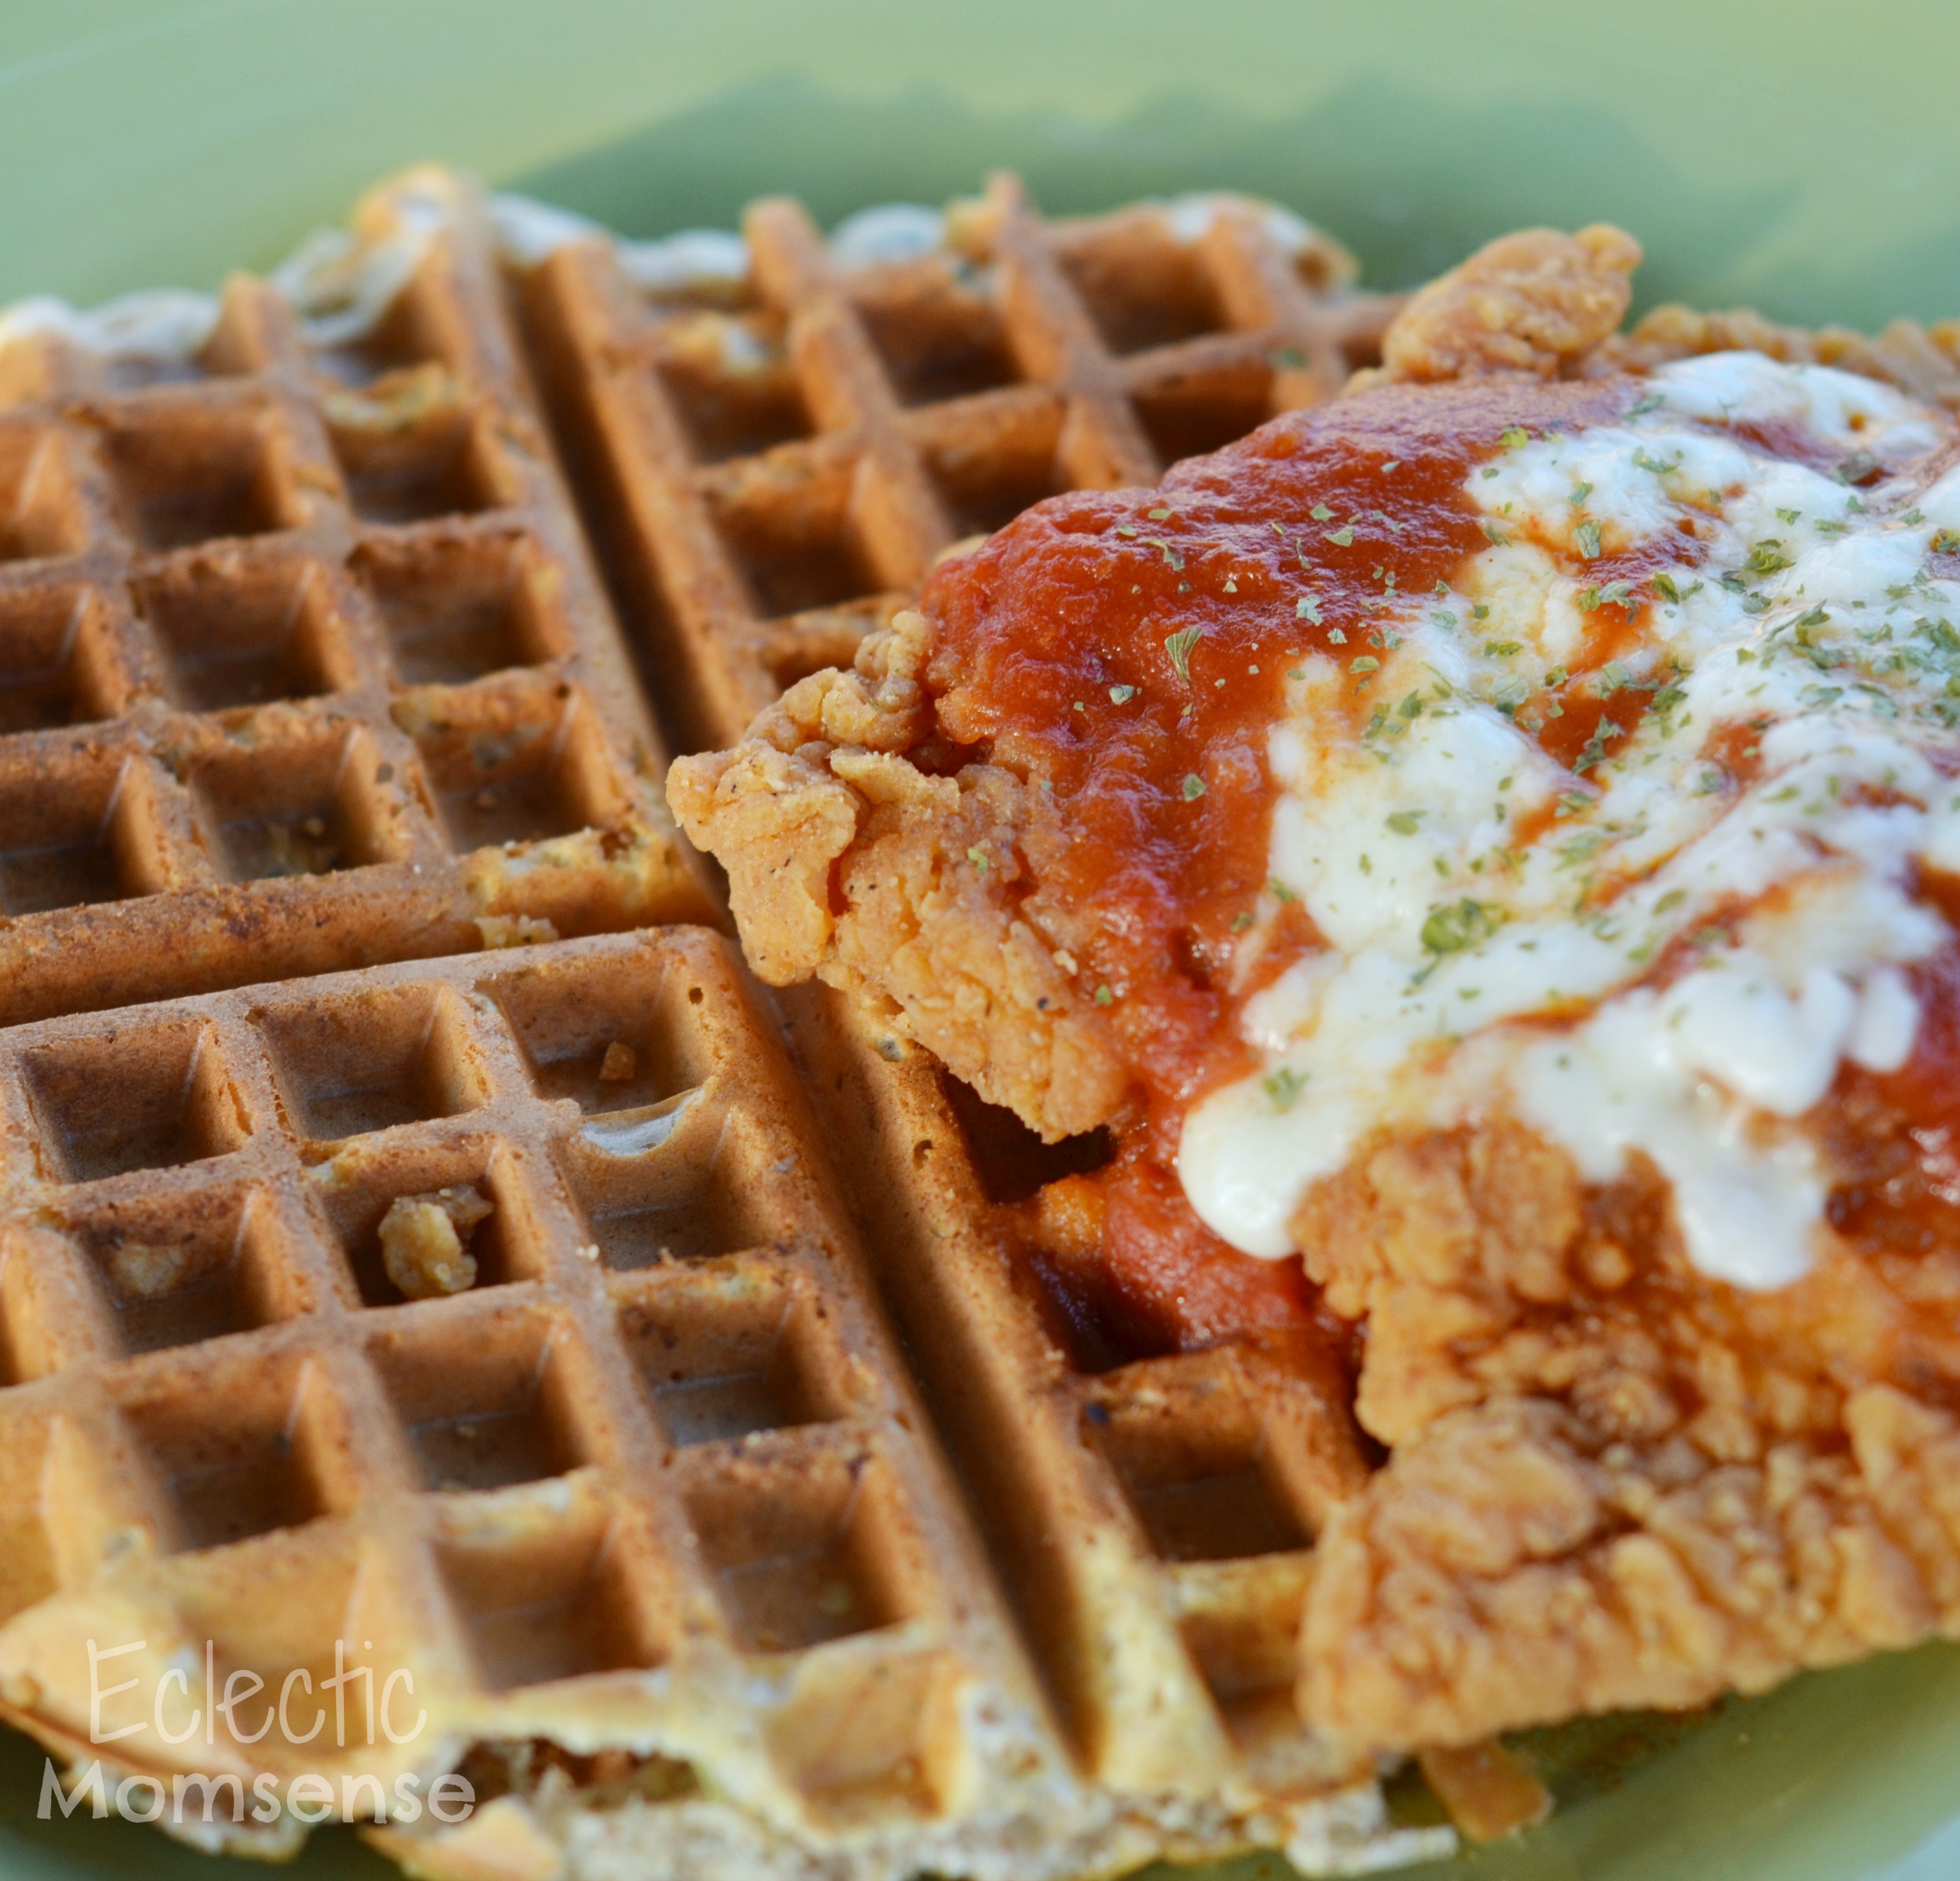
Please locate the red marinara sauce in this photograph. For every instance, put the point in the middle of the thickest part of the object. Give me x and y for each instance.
(1128, 651)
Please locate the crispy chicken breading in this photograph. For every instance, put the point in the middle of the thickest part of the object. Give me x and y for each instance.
(845, 858)
(1534, 302)
(1613, 1484)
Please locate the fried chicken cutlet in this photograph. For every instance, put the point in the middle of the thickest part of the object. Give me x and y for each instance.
(1486, 851)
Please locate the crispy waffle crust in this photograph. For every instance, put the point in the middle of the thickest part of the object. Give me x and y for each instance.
(302, 662)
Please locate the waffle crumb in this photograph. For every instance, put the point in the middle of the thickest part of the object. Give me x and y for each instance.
(620, 1065)
(397, 400)
(424, 1241)
(1489, 1793)
(515, 930)
(142, 1272)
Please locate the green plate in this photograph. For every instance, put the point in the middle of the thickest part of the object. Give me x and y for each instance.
(1800, 159)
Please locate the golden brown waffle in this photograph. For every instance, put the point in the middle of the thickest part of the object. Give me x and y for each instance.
(1153, 1521)
(654, 1489)
(773, 463)
(302, 662)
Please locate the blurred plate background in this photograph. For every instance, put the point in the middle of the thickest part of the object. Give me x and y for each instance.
(1800, 159)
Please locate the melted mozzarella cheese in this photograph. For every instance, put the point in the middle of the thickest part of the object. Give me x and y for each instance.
(1457, 957)
(340, 283)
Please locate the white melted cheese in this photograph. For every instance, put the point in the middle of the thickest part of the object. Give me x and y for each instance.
(1467, 974)
(340, 284)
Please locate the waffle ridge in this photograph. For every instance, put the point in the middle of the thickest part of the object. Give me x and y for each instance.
(304, 664)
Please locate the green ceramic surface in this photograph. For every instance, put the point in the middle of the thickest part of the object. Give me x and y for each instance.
(1803, 159)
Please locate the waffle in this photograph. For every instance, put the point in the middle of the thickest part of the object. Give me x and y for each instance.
(1153, 1520)
(304, 664)
(774, 456)
(654, 1489)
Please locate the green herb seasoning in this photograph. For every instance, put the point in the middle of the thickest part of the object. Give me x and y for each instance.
(1615, 594)
(1283, 1087)
(1457, 924)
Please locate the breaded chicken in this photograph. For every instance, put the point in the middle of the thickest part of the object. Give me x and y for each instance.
(1613, 1484)
(1613, 1481)
(848, 859)
(861, 850)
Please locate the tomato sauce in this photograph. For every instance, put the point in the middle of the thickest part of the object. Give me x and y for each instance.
(1895, 1135)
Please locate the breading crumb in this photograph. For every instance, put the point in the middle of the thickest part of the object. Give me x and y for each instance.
(424, 1241)
(620, 1065)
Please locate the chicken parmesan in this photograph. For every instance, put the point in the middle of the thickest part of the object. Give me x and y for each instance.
(1486, 853)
